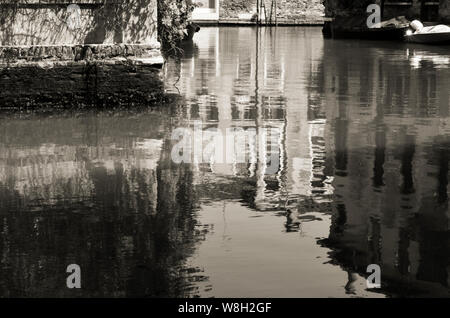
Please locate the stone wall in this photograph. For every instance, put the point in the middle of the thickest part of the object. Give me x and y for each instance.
(335, 8)
(417, 10)
(286, 9)
(45, 22)
(233, 8)
(411, 9)
(77, 84)
(444, 11)
(104, 53)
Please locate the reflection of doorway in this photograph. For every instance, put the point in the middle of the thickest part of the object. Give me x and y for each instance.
(206, 10)
(429, 11)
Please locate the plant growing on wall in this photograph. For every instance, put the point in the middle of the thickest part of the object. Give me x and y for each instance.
(173, 19)
(114, 21)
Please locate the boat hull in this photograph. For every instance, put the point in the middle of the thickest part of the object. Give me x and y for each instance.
(391, 34)
(429, 38)
(356, 28)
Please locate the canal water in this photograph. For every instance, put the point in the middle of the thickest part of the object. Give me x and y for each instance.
(352, 137)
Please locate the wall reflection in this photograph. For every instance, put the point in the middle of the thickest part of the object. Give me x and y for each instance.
(249, 78)
(365, 138)
(389, 140)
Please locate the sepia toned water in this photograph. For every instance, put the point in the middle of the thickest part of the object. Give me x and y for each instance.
(363, 161)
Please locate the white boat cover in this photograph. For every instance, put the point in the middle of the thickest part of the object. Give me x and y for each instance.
(420, 29)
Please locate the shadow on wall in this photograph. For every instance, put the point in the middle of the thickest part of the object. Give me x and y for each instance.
(133, 21)
(346, 7)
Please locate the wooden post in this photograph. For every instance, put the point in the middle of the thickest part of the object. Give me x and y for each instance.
(271, 11)
(257, 12)
(276, 19)
(263, 4)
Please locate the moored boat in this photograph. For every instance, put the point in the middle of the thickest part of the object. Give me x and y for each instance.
(439, 34)
(356, 28)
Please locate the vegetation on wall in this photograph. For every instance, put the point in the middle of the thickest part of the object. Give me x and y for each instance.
(103, 21)
(173, 19)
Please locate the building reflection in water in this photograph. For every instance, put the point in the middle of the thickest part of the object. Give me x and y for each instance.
(362, 161)
(389, 139)
(365, 138)
(248, 79)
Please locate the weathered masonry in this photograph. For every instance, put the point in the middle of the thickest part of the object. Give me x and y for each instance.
(70, 50)
(425, 10)
(235, 11)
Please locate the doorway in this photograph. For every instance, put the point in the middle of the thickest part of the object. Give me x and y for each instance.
(206, 10)
(429, 11)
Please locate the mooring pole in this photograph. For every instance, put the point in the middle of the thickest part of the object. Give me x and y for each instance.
(257, 12)
(276, 19)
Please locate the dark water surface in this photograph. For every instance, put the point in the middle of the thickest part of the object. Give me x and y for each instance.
(363, 149)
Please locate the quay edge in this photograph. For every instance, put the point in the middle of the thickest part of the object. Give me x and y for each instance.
(110, 57)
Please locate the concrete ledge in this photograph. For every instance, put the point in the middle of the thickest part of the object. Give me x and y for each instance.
(281, 22)
(90, 52)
